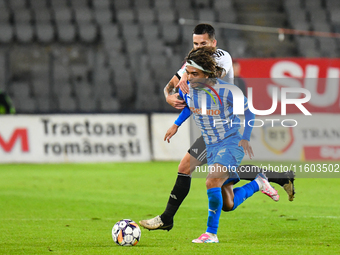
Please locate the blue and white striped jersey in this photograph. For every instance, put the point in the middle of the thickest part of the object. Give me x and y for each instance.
(214, 114)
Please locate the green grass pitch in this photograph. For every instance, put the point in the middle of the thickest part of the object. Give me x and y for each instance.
(71, 209)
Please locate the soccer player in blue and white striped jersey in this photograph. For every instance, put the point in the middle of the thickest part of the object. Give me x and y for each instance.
(203, 36)
(212, 104)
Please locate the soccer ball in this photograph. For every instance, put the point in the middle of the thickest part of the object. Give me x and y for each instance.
(126, 233)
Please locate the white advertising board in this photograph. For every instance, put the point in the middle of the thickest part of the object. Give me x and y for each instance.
(74, 138)
(179, 143)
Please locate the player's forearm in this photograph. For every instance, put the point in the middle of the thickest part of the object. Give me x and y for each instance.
(185, 113)
(184, 78)
(170, 86)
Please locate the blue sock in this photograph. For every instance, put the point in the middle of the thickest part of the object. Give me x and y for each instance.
(242, 193)
(215, 207)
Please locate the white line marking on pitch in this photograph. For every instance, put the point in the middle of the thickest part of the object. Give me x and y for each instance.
(115, 219)
(94, 219)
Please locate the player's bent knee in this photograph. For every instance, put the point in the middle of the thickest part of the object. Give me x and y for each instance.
(184, 165)
(184, 168)
(227, 208)
(212, 183)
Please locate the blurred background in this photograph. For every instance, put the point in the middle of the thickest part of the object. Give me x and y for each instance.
(93, 56)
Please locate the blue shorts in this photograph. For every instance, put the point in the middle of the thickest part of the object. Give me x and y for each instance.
(228, 154)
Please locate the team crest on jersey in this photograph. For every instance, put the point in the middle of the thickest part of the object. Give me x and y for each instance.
(277, 139)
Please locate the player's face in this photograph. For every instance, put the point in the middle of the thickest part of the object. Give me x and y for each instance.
(196, 76)
(203, 40)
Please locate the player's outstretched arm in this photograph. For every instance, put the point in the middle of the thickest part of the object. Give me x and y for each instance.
(182, 117)
(172, 98)
(247, 132)
(171, 132)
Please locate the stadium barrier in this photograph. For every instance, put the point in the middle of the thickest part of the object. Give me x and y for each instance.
(297, 137)
(74, 138)
(179, 144)
(127, 137)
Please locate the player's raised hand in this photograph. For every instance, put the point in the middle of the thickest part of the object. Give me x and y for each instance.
(183, 86)
(248, 150)
(175, 102)
(171, 132)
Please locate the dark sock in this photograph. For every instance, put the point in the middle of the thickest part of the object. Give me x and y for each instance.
(276, 177)
(249, 172)
(177, 195)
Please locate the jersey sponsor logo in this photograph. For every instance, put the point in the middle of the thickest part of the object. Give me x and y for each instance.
(210, 112)
(195, 150)
(238, 98)
(18, 134)
(204, 110)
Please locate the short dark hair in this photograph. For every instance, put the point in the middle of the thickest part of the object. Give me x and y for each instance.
(201, 29)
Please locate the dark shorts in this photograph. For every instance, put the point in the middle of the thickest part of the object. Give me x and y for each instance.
(198, 150)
